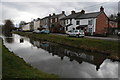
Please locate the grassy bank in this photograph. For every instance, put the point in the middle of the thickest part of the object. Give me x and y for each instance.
(103, 46)
(15, 67)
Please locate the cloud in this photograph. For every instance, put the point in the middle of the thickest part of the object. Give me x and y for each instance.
(60, 0)
(26, 11)
(0, 13)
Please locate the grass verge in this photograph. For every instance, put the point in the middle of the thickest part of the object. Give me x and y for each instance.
(15, 67)
(103, 46)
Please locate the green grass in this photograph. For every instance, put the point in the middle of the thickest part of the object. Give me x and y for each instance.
(0, 58)
(15, 67)
(104, 46)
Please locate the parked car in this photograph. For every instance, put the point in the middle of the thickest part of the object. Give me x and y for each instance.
(45, 31)
(36, 31)
(118, 33)
(76, 33)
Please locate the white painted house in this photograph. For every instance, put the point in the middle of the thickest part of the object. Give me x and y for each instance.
(95, 22)
(26, 27)
(36, 24)
(78, 21)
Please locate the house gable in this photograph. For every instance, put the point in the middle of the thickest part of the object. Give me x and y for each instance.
(101, 23)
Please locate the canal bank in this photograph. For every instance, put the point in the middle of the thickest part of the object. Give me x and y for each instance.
(92, 45)
(15, 67)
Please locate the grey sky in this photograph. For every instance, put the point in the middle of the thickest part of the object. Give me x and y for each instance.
(27, 11)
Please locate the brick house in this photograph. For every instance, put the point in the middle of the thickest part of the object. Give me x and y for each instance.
(113, 26)
(45, 22)
(55, 25)
(91, 23)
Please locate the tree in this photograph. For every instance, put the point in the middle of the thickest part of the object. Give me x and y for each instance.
(113, 17)
(118, 19)
(21, 23)
(8, 26)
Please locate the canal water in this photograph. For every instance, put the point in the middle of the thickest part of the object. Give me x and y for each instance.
(67, 62)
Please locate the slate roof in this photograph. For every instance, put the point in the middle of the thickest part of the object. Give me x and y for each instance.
(88, 15)
(72, 16)
(82, 16)
(54, 16)
(45, 17)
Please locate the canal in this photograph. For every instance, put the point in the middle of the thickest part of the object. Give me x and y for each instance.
(66, 62)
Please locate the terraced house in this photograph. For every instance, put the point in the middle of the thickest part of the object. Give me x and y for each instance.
(91, 23)
(55, 24)
(26, 26)
(52, 22)
(36, 24)
(45, 22)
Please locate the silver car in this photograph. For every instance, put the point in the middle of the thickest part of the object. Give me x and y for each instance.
(76, 33)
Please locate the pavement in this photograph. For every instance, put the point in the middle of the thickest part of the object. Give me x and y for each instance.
(94, 37)
(104, 38)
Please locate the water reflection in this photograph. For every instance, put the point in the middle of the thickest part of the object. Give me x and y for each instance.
(73, 54)
(8, 37)
(21, 40)
(67, 62)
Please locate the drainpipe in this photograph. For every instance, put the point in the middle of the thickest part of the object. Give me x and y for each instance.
(108, 28)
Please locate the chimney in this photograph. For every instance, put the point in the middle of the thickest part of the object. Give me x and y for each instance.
(53, 14)
(38, 18)
(101, 9)
(72, 12)
(82, 12)
(49, 15)
(63, 12)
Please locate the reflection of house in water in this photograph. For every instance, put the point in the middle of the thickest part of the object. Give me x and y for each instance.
(21, 40)
(8, 37)
(73, 54)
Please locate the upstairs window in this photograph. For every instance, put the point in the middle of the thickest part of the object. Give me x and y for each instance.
(67, 21)
(51, 20)
(56, 20)
(90, 22)
(70, 21)
(77, 22)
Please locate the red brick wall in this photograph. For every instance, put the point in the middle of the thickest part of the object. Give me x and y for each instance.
(113, 24)
(101, 24)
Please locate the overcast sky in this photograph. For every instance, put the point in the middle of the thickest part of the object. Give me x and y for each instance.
(26, 10)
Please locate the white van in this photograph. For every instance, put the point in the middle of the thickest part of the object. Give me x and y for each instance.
(76, 33)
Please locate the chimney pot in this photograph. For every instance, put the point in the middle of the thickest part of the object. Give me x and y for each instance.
(83, 11)
(49, 14)
(63, 12)
(72, 12)
(53, 13)
(101, 8)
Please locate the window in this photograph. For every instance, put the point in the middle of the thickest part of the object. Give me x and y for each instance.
(51, 20)
(77, 22)
(56, 19)
(70, 21)
(89, 22)
(67, 21)
(90, 29)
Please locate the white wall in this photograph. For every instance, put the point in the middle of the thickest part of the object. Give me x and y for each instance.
(26, 27)
(82, 22)
(36, 24)
(73, 22)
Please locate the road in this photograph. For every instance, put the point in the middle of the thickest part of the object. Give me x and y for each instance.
(93, 37)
